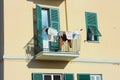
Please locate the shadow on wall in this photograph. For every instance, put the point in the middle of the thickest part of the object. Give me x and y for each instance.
(32, 46)
(1, 70)
(47, 2)
(1, 40)
(47, 64)
(1, 29)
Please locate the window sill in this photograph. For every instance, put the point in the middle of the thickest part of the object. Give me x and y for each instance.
(91, 41)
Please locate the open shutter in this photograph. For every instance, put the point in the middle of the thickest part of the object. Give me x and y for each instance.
(39, 28)
(37, 76)
(55, 24)
(83, 77)
(94, 31)
(68, 77)
(91, 24)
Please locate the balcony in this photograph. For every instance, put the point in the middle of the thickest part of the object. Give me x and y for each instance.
(67, 51)
(58, 56)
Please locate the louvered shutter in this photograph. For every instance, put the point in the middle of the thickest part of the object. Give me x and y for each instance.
(91, 19)
(91, 24)
(94, 31)
(83, 77)
(55, 24)
(39, 28)
(37, 76)
(68, 77)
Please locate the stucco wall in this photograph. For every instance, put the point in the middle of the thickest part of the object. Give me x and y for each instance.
(16, 69)
(18, 30)
(108, 24)
(19, 25)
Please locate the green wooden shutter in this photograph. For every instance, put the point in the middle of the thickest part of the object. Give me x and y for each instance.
(91, 24)
(37, 76)
(91, 19)
(94, 31)
(39, 28)
(55, 24)
(68, 77)
(83, 77)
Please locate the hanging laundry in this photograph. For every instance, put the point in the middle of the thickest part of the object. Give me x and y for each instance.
(60, 42)
(69, 35)
(63, 38)
(76, 34)
(52, 34)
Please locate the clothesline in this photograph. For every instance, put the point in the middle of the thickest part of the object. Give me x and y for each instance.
(42, 30)
(69, 34)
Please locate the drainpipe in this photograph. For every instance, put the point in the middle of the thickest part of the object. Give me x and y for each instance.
(66, 16)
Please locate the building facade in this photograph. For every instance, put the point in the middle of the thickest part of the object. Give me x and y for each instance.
(59, 40)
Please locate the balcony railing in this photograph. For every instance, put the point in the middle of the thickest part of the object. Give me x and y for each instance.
(67, 51)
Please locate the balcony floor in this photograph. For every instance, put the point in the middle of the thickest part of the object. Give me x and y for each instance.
(57, 56)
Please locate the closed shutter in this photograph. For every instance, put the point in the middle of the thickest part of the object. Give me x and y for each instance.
(55, 24)
(37, 76)
(39, 28)
(83, 77)
(68, 77)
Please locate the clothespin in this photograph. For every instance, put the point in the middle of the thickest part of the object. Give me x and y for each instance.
(81, 29)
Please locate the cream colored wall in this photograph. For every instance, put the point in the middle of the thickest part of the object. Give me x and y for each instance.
(108, 23)
(18, 27)
(17, 70)
(18, 30)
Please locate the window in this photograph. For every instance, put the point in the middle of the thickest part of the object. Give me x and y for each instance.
(95, 77)
(46, 17)
(89, 77)
(52, 76)
(92, 27)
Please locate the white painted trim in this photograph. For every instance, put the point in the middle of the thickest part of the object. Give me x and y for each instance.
(17, 57)
(93, 60)
(89, 60)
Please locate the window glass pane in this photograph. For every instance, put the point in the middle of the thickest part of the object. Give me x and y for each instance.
(44, 23)
(47, 77)
(95, 77)
(56, 77)
(92, 78)
(98, 77)
(96, 38)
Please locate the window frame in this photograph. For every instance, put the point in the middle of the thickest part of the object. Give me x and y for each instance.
(87, 76)
(96, 75)
(52, 75)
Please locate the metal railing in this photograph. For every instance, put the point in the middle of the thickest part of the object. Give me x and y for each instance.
(31, 47)
(75, 46)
